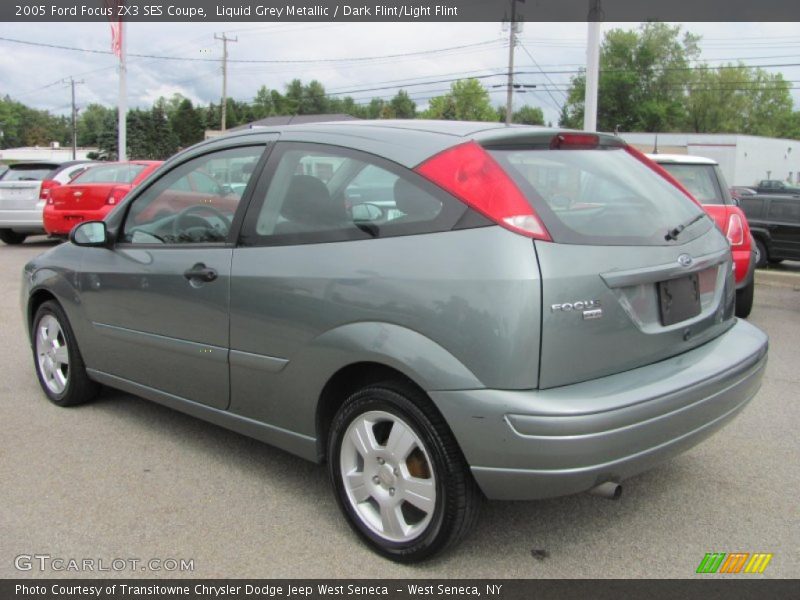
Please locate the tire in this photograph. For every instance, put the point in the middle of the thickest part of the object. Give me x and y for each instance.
(11, 237)
(64, 383)
(761, 255)
(774, 261)
(744, 300)
(374, 498)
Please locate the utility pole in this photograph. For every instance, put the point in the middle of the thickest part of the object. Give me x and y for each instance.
(594, 18)
(72, 84)
(512, 42)
(225, 39)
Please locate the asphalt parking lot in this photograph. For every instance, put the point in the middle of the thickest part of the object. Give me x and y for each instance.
(126, 478)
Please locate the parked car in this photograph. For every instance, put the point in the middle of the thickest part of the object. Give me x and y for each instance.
(24, 189)
(738, 192)
(93, 193)
(775, 223)
(776, 186)
(541, 313)
(703, 178)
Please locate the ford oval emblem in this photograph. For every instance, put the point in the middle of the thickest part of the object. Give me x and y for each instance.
(685, 260)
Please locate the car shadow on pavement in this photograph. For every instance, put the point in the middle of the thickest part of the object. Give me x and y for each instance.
(538, 533)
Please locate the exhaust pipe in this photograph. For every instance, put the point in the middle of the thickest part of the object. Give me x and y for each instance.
(610, 489)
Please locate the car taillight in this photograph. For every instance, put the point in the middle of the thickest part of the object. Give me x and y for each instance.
(44, 192)
(735, 230)
(574, 141)
(469, 173)
(116, 194)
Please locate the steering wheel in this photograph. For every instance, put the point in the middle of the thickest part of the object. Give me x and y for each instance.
(178, 224)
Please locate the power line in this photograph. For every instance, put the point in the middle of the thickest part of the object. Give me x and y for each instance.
(556, 104)
(255, 61)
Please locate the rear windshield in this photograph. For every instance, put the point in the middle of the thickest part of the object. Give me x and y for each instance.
(602, 196)
(703, 181)
(27, 173)
(110, 174)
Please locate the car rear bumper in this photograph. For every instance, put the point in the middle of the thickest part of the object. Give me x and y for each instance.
(543, 443)
(61, 222)
(29, 220)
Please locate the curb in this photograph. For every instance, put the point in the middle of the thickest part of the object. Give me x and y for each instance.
(778, 279)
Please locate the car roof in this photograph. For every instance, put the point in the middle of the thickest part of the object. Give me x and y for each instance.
(684, 159)
(405, 141)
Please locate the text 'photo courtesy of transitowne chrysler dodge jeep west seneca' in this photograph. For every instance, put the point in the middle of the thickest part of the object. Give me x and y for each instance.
(441, 312)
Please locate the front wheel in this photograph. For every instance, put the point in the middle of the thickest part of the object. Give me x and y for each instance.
(59, 365)
(399, 476)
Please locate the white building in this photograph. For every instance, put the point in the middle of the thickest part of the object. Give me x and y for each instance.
(52, 152)
(744, 159)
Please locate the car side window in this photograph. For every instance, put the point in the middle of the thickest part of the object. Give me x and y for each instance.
(785, 210)
(753, 207)
(325, 195)
(188, 205)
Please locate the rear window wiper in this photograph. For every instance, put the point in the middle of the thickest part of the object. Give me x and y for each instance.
(673, 234)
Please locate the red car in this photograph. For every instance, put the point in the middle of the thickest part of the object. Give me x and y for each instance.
(703, 179)
(93, 193)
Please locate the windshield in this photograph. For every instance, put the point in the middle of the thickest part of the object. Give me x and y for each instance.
(110, 174)
(27, 173)
(601, 196)
(703, 181)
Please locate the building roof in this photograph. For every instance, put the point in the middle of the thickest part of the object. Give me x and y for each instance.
(685, 159)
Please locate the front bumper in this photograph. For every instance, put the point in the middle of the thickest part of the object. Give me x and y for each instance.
(543, 443)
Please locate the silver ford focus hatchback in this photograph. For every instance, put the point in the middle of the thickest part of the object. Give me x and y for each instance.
(440, 311)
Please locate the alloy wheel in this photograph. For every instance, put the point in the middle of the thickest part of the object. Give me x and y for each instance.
(388, 476)
(52, 354)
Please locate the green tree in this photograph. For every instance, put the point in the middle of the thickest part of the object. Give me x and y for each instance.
(467, 100)
(263, 105)
(92, 123)
(403, 106)
(187, 124)
(527, 115)
(642, 80)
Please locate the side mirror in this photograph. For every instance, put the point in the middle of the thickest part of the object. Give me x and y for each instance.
(91, 233)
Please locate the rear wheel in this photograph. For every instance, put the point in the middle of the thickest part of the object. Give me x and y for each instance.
(399, 476)
(761, 254)
(59, 365)
(744, 300)
(11, 237)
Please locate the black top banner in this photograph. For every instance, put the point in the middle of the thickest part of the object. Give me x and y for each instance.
(397, 10)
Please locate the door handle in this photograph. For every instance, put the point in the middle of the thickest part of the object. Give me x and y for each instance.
(201, 272)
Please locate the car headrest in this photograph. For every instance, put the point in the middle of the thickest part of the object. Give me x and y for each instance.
(309, 201)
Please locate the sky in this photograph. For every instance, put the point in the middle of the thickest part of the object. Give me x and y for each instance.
(347, 58)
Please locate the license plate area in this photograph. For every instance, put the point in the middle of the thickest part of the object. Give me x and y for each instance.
(679, 299)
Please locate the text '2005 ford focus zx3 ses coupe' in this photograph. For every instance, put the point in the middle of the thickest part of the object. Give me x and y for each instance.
(439, 311)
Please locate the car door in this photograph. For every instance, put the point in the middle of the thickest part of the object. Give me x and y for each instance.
(310, 261)
(158, 299)
(784, 227)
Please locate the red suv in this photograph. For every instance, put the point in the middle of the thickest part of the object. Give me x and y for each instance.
(703, 178)
(93, 193)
